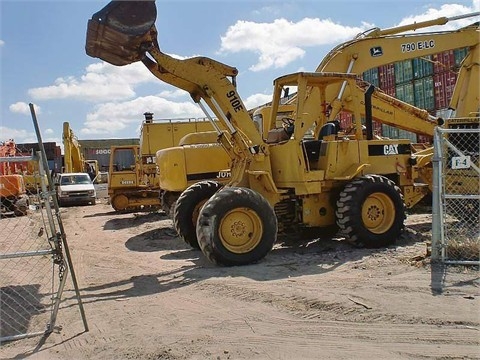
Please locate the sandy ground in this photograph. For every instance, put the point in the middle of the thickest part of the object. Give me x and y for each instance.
(147, 295)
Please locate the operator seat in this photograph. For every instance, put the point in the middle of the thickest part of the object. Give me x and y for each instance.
(312, 147)
(330, 128)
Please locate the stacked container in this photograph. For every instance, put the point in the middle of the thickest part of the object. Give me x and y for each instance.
(427, 82)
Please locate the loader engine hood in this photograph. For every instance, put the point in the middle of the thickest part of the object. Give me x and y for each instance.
(122, 31)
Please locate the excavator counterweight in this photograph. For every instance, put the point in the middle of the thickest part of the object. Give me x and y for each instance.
(121, 32)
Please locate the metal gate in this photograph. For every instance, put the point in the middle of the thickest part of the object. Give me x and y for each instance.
(34, 257)
(456, 195)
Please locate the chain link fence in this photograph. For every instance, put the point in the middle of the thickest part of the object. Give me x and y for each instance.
(456, 205)
(34, 258)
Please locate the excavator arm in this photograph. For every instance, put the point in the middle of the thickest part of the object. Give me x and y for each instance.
(380, 47)
(74, 161)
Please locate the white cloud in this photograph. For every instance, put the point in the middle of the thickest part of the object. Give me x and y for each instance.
(23, 108)
(2, 42)
(282, 42)
(19, 135)
(448, 11)
(256, 100)
(174, 94)
(48, 131)
(110, 118)
(101, 82)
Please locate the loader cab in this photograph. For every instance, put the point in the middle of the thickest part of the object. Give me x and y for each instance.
(317, 132)
(263, 120)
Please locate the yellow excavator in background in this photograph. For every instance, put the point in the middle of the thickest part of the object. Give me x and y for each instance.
(133, 175)
(74, 161)
(353, 181)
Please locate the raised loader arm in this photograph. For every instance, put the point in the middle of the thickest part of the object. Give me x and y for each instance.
(123, 32)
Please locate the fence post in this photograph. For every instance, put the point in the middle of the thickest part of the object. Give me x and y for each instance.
(436, 203)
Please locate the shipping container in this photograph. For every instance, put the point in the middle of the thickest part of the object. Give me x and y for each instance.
(51, 149)
(386, 77)
(346, 120)
(371, 76)
(403, 71)
(390, 91)
(395, 133)
(377, 128)
(424, 139)
(459, 55)
(389, 131)
(444, 61)
(444, 84)
(422, 67)
(404, 134)
(404, 92)
(423, 93)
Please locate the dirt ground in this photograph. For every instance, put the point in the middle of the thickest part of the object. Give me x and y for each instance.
(147, 295)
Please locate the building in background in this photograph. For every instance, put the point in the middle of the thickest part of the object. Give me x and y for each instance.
(100, 149)
(52, 151)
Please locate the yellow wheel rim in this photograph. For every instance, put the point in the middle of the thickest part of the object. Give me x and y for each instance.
(240, 230)
(378, 213)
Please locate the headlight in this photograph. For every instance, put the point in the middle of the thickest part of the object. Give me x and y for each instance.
(91, 192)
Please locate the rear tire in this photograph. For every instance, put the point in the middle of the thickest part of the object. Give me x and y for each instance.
(237, 226)
(188, 207)
(371, 211)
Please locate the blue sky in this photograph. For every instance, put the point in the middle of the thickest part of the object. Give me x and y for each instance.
(43, 59)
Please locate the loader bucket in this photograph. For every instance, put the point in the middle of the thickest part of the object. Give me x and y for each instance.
(121, 31)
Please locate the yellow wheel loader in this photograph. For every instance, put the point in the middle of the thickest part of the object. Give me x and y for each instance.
(355, 181)
(200, 164)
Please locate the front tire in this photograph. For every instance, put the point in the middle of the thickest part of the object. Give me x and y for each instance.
(188, 207)
(237, 226)
(371, 211)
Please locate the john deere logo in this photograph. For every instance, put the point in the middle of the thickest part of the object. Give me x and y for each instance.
(376, 51)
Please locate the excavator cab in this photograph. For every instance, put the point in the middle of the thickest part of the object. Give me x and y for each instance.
(122, 31)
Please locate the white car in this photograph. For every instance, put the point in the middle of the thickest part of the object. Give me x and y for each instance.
(75, 189)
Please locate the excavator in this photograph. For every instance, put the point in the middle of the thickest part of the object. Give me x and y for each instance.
(73, 157)
(360, 184)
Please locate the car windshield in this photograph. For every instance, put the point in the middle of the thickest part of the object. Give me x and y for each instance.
(75, 179)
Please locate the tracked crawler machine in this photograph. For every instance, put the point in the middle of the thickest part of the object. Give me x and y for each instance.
(354, 181)
(133, 174)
